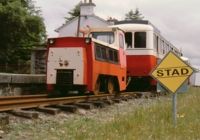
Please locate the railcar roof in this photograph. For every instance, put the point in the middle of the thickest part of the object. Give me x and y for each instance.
(140, 24)
(105, 29)
(135, 27)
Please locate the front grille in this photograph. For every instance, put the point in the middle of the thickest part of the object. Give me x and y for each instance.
(64, 77)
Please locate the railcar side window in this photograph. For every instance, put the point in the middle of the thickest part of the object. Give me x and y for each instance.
(113, 55)
(128, 39)
(162, 46)
(155, 39)
(116, 56)
(104, 53)
(140, 39)
(167, 48)
(107, 37)
(100, 52)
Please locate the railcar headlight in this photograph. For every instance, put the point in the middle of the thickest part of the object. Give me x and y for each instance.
(66, 63)
(88, 40)
(51, 41)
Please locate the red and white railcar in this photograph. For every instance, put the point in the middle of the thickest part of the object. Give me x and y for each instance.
(145, 47)
(93, 64)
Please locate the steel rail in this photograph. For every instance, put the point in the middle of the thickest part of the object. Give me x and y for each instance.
(25, 103)
(2, 98)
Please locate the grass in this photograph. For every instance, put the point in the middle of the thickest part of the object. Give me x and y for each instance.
(151, 120)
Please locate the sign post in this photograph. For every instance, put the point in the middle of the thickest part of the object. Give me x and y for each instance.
(174, 102)
(171, 73)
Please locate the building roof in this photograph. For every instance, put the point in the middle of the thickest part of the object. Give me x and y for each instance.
(76, 18)
(86, 10)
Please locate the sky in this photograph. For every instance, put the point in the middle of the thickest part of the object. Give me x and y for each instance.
(178, 20)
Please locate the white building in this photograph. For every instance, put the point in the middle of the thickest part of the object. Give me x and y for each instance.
(195, 78)
(86, 20)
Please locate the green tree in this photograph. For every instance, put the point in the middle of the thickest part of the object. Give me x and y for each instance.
(134, 15)
(21, 28)
(75, 12)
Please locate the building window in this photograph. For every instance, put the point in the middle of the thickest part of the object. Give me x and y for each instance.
(140, 39)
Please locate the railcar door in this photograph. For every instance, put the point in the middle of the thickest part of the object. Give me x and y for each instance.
(122, 54)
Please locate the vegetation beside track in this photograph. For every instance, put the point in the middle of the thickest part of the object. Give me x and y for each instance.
(135, 119)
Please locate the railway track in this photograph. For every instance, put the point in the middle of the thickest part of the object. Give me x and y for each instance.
(34, 101)
(7, 98)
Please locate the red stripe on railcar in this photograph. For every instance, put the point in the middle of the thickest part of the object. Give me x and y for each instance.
(140, 65)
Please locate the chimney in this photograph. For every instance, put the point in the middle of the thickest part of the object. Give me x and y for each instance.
(87, 8)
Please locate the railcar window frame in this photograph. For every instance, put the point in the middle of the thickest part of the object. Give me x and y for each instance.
(162, 46)
(168, 47)
(113, 56)
(129, 40)
(140, 40)
(106, 54)
(121, 41)
(109, 36)
(155, 42)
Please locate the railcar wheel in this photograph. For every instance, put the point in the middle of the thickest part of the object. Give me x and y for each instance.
(97, 87)
(111, 86)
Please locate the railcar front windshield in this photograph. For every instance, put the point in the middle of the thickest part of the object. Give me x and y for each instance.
(107, 37)
(140, 40)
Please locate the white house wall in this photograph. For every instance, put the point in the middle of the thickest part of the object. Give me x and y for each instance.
(197, 79)
(71, 28)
